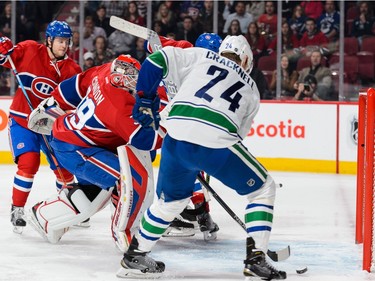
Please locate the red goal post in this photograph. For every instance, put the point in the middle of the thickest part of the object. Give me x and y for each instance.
(365, 176)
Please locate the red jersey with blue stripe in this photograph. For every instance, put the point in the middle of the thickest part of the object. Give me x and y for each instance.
(38, 74)
(103, 116)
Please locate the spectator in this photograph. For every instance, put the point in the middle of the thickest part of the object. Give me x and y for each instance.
(313, 8)
(188, 7)
(120, 42)
(88, 60)
(312, 38)
(234, 28)
(142, 8)
(287, 8)
(256, 41)
(5, 23)
(241, 15)
(227, 8)
(267, 22)
(307, 91)
(5, 20)
(288, 79)
(324, 89)
(167, 19)
(101, 20)
(329, 22)
(297, 21)
(5, 82)
(73, 51)
(208, 17)
(262, 84)
(364, 25)
(289, 42)
(114, 8)
(196, 16)
(171, 35)
(139, 52)
(255, 8)
(131, 14)
(158, 28)
(187, 32)
(90, 32)
(101, 53)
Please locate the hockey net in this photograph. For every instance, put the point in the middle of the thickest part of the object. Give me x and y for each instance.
(365, 177)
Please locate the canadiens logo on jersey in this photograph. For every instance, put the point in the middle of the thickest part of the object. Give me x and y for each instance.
(41, 87)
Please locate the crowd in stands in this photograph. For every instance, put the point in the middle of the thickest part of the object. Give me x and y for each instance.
(308, 28)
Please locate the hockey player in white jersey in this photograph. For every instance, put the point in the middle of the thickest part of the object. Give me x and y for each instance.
(210, 115)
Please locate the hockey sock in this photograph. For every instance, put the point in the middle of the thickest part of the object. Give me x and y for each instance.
(63, 177)
(28, 164)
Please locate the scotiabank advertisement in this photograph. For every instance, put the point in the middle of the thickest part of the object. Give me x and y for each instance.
(305, 131)
(285, 136)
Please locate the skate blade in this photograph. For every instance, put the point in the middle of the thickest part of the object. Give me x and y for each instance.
(179, 232)
(136, 274)
(18, 229)
(209, 236)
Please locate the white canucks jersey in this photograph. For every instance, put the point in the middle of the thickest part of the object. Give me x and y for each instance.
(216, 99)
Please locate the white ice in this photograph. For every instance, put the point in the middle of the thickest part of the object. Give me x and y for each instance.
(314, 214)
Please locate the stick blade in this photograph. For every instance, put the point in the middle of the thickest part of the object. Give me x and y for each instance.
(128, 27)
(280, 255)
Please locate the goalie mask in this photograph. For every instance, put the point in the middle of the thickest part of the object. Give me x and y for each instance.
(124, 72)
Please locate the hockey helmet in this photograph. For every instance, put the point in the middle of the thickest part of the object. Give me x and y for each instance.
(58, 29)
(239, 46)
(209, 41)
(124, 72)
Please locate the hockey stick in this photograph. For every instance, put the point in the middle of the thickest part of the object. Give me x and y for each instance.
(276, 256)
(50, 152)
(137, 30)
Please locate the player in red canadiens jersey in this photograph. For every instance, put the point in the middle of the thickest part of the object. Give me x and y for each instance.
(40, 68)
(85, 142)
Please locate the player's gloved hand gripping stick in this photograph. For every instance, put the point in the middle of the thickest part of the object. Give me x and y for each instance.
(146, 111)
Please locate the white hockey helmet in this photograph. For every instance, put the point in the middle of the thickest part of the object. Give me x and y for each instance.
(239, 46)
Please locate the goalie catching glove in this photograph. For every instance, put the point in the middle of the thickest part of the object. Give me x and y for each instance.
(41, 118)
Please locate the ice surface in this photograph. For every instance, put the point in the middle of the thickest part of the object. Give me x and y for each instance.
(314, 214)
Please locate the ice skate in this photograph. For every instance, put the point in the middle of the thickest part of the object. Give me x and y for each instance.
(136, 264)
(52, 236)
(206, 224)
(182, 226)
(256, 265)
(17, 218)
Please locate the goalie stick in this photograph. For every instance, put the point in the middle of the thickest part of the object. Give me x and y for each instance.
(276, 256)
(136, 30)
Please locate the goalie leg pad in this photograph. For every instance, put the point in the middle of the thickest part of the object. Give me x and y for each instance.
(135, 194)
(61, 211)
